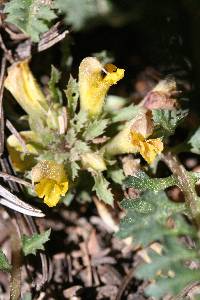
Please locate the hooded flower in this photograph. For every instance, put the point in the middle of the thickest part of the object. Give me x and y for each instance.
(51, 181)
(134, 138)
(94, 83)
(25, 89)
(22, 156)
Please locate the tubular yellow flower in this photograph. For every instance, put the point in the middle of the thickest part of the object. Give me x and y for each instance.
(94, 83)
(134, 138)
(51, 181)
(23, 159)
(23, 86)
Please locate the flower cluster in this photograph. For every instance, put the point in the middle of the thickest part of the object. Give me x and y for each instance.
(63, 140)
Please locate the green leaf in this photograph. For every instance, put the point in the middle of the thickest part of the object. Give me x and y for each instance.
(174, 285)
(4, 263)
(194, 141)
(143, 182)
(31, 16)
(55, 93)
(80, 121)
(77, 15)
(72, 94)
(147, 217)
(27, 296)
(126, 113)
(74, 169)
(95, 129)
(168, 120)
(170, 261)
(117, 175)
(101, 188)
(36, 242)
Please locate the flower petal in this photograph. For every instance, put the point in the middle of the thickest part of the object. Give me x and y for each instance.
(51, 191)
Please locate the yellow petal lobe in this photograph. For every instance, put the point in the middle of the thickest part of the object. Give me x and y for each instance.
(149, 148)
(51, 181)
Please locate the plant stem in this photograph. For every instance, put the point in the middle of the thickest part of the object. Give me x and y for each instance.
(15, 284)
(186, 185)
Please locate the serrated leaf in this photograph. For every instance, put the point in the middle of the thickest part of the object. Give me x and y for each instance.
(95, 129)
(194, 141)
(74, 169)
(80, 120)
(146, 217)
(55, 93)
(31, 16)
(101, 187)
(36, 242)
(72, 94)
(168, 120)
(4, 263)
(126, 113)
(170, 261)
(174, 285)
(143, 182)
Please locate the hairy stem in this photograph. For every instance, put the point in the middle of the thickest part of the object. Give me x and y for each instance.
(186, 185)
(15, 284)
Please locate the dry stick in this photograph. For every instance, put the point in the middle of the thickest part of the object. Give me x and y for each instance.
(7, 53)
(191, 199)
(17, 135)
(15, 179)
(124, 284)
(2, 75)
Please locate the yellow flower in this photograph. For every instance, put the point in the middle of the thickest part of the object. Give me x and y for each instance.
(23, 86)
(133, 138)
(23, 159)
(148, 148)
(94, 83)
(51, 181)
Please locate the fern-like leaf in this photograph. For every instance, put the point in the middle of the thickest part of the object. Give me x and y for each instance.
(31, 16)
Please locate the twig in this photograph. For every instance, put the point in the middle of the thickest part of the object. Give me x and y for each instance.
(191, 199)
(15, 179)
(124, 284)
(2, 75)
(17, 135)
(55, 34)
(7, 52)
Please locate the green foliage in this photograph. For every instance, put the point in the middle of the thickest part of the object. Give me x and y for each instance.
(101, 188)
(171, 266)
(77, 13)
(126, 113)
(72, 94)
(153, 217)
(4, 263)
(143, 182)
(31, 16)
(55, 93)
(36, 242)
(95, 128)
(146, 218)
(194, 142)
(168, 120)
(117, 175)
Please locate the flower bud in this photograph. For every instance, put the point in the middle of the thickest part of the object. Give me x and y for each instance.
(93, 161)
